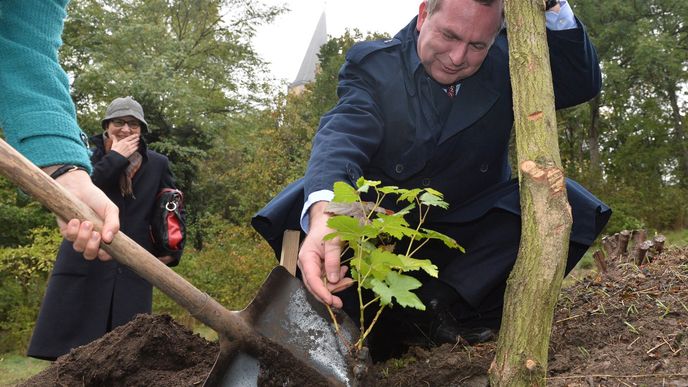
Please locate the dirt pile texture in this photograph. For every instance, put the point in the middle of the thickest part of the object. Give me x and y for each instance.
(151, 350)
(626, 327)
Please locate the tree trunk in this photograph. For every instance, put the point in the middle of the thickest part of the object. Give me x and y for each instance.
(679, 132)
(535, 281)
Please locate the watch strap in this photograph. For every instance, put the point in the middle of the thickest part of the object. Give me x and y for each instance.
(66, 169)
(550, 3)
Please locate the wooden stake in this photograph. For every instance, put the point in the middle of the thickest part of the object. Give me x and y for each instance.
(600, 262)
(640, 252)
(658, 242)
(608, 246)
(624, 237)
(638, 237)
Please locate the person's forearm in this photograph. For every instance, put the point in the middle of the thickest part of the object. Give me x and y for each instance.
(37, 114)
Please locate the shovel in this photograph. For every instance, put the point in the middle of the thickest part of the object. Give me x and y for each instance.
(283, 337)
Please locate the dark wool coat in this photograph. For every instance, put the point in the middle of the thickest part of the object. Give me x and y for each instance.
(86, 299)
(395, 124)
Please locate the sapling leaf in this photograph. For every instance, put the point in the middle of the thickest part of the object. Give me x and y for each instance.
(429, 199)
(448, 241)
(360, 265)
(409, 195)
(358, 210)
(344, 193)
(381, 289)
(400, 286)
(382, 262)
(364, 185)
(404, 211)
(412, 264)
(435, 192)
(396, 226)
(348, 229)
(389, 189)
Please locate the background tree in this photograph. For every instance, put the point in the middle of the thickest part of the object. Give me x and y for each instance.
(275, 151)
(638, 124)
(189, 63)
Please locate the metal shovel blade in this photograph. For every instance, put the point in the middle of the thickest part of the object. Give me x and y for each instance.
(287, 314)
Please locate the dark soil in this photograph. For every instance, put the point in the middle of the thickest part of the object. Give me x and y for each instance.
(628, 327)
(148, 351)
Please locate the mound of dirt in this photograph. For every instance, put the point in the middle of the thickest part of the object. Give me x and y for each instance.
(151, 350)
(627, 327)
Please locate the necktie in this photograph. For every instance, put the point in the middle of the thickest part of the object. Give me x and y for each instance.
(451, 91)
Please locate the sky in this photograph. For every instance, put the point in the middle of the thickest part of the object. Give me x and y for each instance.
(284, 42)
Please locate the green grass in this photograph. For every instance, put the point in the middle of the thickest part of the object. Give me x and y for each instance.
(677, 238)
(16, 368)
(205, 332)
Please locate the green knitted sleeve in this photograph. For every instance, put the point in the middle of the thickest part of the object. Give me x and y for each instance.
(37, 114)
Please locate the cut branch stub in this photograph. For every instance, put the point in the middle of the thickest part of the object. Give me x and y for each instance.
(608, 246)
(554, 175)
(600, 262)
(640, 253)
(658, 242)
(624, 237)
(638, 236)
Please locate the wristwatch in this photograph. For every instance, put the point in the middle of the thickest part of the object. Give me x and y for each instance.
(66, 169)
(550, 3)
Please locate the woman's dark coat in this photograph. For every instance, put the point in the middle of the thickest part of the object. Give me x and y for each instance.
(86, 299)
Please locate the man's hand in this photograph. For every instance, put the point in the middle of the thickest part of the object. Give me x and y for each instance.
(318, 259)
(83, 234)
(126, 146)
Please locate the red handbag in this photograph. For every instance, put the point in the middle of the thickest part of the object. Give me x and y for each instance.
(168, 230)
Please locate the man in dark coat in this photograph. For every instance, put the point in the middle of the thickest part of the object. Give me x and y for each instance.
(86, 299)
(432, 107)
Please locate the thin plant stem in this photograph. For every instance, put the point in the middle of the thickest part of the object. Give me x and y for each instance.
(370, 302)
(334, 320)
(359, 343)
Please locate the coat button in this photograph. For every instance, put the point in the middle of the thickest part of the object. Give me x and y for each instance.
(426, 182)
(399, 168)
(484, 167)
(119, 270)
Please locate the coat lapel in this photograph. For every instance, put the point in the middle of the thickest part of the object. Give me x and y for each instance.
(474, 98)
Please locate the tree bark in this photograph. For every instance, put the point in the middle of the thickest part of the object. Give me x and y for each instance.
(535, 281)
(679, 131)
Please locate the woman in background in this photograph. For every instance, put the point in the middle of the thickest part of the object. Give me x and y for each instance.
(86, 299)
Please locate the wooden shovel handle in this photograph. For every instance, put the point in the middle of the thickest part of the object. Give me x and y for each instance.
(64, 204)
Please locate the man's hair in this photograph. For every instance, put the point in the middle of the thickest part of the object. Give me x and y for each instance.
(434, 5)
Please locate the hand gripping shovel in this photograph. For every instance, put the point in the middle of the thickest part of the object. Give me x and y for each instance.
(283, 337)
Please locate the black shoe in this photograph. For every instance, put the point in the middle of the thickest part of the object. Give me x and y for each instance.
(445, 329)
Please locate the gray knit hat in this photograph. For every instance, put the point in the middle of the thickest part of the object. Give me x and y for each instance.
(122, 107)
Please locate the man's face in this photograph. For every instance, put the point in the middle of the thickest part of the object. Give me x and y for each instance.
(455, 39)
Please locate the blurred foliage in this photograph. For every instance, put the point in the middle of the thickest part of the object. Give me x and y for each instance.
(19, 215)
(23, 273)
(189, 63)
(230, 270)
(630, 146)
